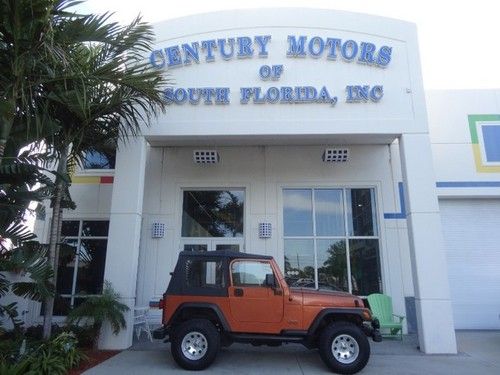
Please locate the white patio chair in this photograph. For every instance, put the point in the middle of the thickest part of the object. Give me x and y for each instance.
(141, 322)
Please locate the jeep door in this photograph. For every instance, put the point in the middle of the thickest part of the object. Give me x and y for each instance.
(250, 298)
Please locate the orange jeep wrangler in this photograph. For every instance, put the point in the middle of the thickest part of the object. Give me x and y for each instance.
(220, 297)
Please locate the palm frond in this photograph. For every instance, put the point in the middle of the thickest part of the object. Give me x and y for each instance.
(17, 232)
(4, 285)
(31, 260)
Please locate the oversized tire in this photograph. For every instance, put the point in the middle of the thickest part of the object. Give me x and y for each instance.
(195, 344)
(344, 348)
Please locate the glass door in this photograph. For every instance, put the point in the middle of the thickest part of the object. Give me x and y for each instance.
(210, 244)
(212, 220)
(195, 245)
(231, 244)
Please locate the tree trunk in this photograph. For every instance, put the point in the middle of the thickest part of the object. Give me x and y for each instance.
(54, 239)
(7, 111)
(3, 142)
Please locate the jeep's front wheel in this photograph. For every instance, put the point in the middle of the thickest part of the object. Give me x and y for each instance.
(344, 348)
(195, 344)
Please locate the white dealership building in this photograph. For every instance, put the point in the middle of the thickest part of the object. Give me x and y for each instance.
(306, 135)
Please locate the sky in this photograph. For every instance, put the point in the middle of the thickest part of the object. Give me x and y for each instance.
(458, 40)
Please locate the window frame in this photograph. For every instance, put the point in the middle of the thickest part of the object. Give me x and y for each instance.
(94, 170)
(79, 237)
(346, 237)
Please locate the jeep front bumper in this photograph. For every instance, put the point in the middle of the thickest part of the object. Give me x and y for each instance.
(372, 329)
(161, 333)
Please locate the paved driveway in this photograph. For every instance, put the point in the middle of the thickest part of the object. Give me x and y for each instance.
(479, 353)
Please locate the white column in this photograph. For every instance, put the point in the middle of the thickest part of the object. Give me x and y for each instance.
(124, 234)
(430, 274)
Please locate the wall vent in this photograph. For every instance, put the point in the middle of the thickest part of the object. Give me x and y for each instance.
(265, 230)
(158, 230)
(336, 155)
(206, 156)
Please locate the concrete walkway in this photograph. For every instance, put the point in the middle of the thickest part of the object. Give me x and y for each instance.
(479, 353)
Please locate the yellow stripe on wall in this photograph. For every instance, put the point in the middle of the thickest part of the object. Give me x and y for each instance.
(476, 150)
(86, 179)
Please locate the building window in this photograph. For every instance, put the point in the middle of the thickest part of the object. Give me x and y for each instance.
(212, 213)
(100, 159)
(82, 258)
(331, 239)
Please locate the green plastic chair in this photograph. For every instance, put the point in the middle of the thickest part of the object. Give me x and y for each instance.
(391, 325)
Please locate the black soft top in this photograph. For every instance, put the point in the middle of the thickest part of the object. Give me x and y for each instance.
(179, 284)
(224, 254)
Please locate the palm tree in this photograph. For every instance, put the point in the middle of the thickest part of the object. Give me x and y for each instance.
(106, 95)
(25, 40)
(30, 263)
(78, 82)
(34, 40)
(24, 267)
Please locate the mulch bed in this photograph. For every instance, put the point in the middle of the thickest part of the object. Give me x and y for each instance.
(94, 358)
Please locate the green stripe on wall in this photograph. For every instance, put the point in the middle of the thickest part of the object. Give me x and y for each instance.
(472, 124)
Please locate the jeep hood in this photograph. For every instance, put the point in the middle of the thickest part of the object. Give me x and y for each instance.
(326, 298)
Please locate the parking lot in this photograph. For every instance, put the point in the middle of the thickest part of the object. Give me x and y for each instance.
(478, 354)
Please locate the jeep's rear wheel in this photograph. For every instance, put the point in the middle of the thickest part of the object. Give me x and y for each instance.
(344, 348)
(195, 344)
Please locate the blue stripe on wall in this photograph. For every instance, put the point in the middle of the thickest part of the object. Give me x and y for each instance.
(402, 214)
(439, 184)
(459, 184)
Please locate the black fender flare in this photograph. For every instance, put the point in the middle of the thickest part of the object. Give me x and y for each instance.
(201, 305)
(332, 311)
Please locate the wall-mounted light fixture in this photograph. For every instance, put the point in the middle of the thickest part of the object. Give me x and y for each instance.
(206, 156)
(336, 155)
(158, 230)
(265, 230)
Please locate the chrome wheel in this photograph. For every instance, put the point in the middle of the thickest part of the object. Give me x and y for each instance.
(194, 345)
(345, 349)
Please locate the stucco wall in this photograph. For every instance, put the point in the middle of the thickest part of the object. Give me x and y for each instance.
(452, 144)
(263, 172)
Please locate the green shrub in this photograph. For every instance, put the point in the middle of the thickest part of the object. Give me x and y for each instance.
(86, 335)
(96, 310)
(9, 349)
(36, 332)
(19, 368)
(52, 357)
(48, 363)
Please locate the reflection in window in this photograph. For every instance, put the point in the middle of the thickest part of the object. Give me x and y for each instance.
(329, 212)
(102, 159)
(320, 251)
(92, 258)
(195, 247)
(332, 265)
(297, 212)
(202, 273)
(66, 267)
(299, 262)
(95, 228)
(213, 213)
(361, 210)
(227, 247)
(82, 258)
(248, 273)
(365, 266)
(70, 228)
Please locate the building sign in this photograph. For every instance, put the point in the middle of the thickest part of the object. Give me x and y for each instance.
(330, 48)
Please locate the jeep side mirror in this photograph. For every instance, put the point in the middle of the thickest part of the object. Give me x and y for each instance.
(270, 281)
